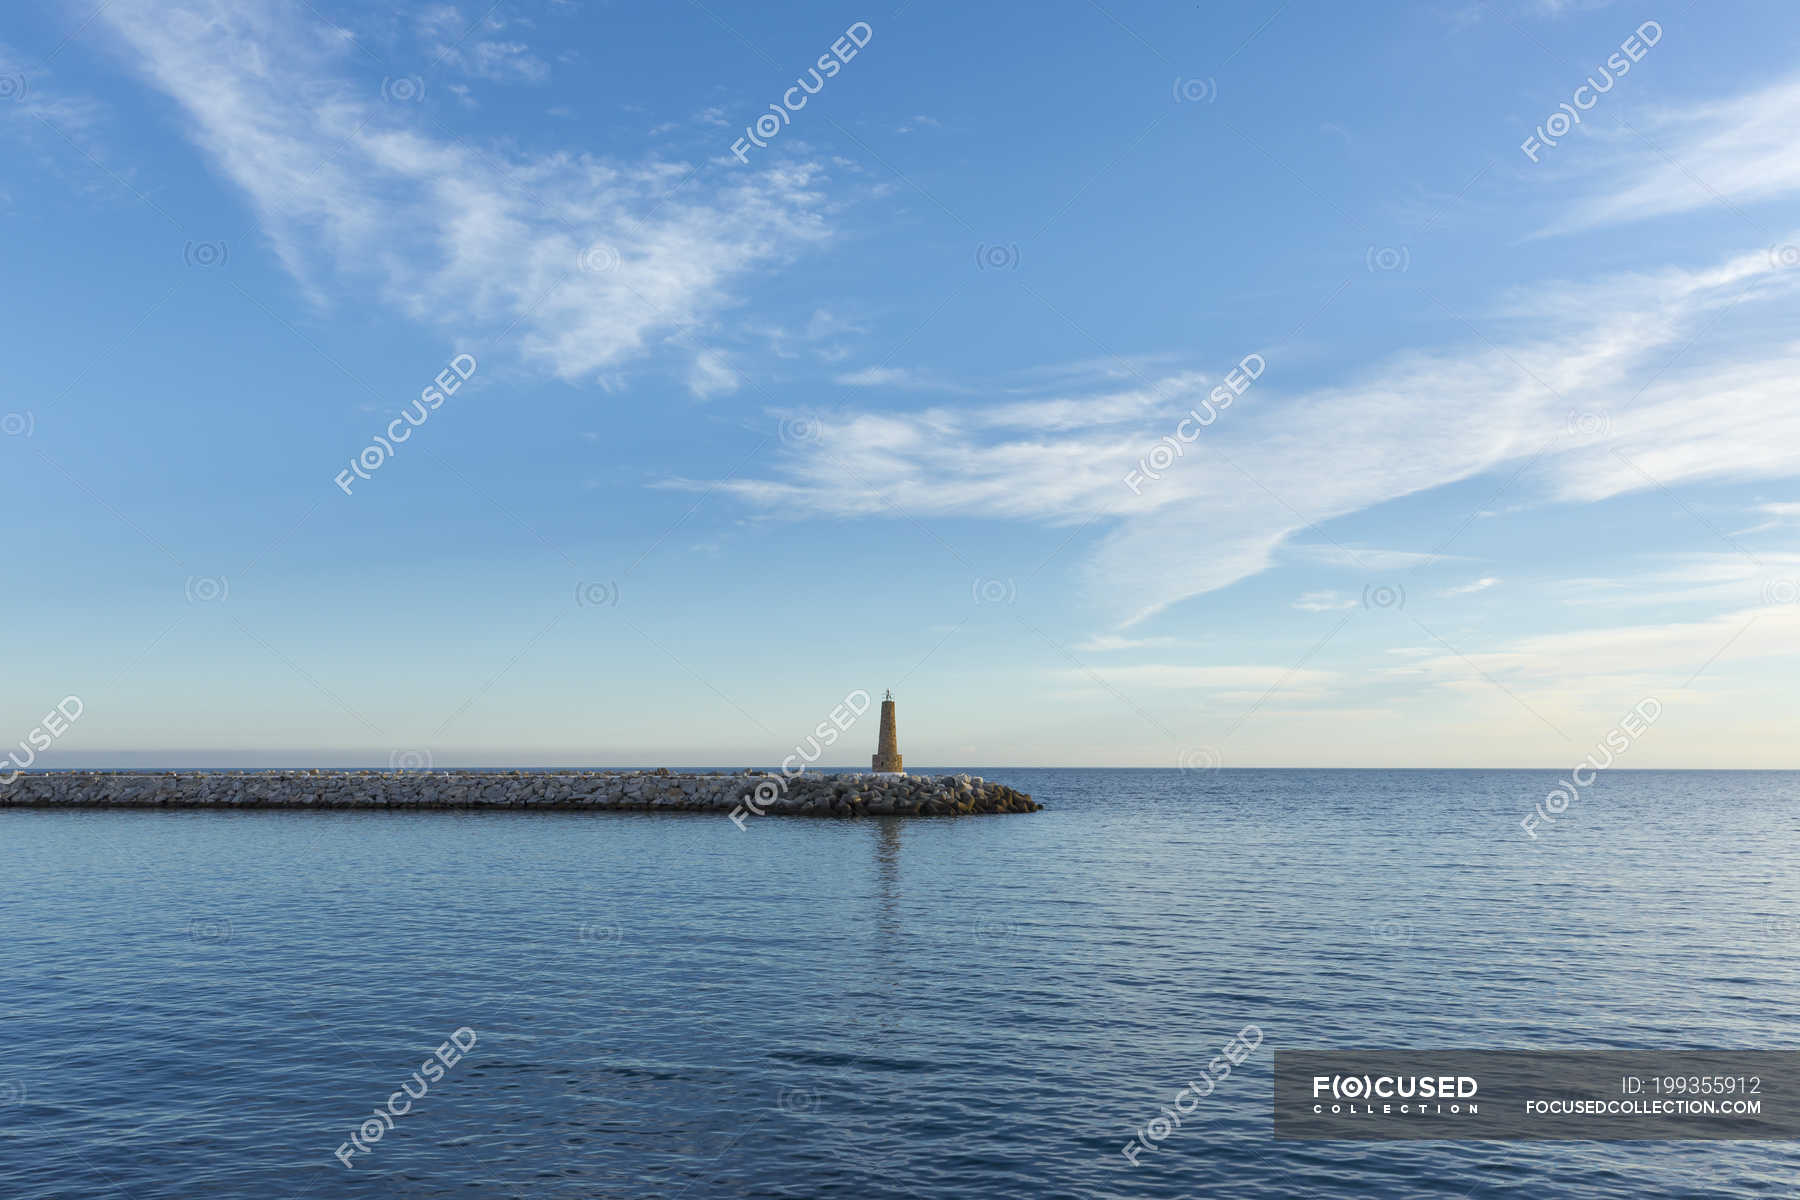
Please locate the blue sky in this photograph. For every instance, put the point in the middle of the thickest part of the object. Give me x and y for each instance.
(877, 404)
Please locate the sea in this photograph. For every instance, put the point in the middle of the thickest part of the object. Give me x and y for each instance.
(241, 1004)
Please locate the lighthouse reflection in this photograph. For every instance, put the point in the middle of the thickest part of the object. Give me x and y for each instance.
(887, 880)
(883, 986)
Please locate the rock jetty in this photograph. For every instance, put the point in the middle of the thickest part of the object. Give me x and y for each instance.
(744, 795)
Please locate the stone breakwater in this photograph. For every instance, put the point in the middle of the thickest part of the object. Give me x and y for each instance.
(809, 795)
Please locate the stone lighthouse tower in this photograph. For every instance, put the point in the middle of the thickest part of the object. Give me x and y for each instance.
(887, 751)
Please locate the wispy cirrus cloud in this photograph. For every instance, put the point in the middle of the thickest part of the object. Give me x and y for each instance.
(450, 38)
(895, 377)
(1726, 580)
(712, 375)
(35, 110)
(589, 261)
(1733, 150)
(1283, 465)
(1562, 8)
(1237, 681)
(1470, 588)
(1774, 516)
(1324, 601)
(1661, 658)
(1108, 643)
(1362, 558)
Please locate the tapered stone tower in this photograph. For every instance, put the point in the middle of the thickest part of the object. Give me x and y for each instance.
(887, 751)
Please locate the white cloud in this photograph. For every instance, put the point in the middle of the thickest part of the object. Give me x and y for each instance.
(348, 188)
(35, 109)
(1364, 558)
(825, 336)
(1173, 677)
(1748, 428)
(1560, 8)
(507, 62)
(1469, 589)
(711, 375)
(1104, 643)
(1326, 601)
(1725, 581)
(881, 377)
(1777, 516)
(451, 40)
(1275, 466)
(1738, 149)
(911, 379)
(1623, 663)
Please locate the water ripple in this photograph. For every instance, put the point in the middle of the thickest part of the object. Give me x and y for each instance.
(208, 1004)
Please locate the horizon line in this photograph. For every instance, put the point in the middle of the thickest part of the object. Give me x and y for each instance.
(846, 768)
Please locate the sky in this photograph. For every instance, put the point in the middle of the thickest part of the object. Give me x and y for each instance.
(575, 382)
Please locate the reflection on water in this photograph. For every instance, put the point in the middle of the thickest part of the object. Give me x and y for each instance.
(203, 1003)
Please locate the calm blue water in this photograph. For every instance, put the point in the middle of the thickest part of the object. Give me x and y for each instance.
(206, 1004)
